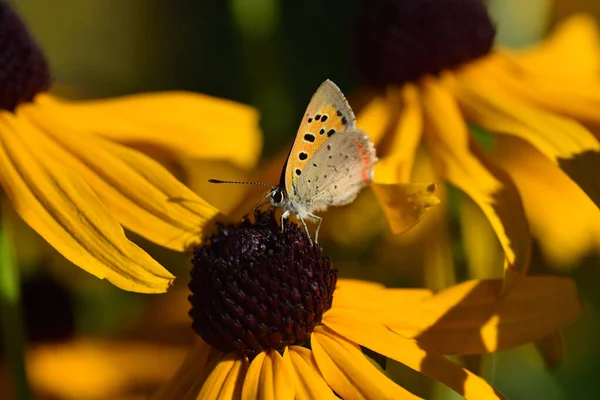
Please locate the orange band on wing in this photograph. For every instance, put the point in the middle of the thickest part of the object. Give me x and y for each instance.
(366, 161)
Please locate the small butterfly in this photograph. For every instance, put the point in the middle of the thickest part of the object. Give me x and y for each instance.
(330, 161)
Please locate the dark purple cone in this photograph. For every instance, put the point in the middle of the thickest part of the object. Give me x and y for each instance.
(400, 41)
(23, 68)
(256, 288)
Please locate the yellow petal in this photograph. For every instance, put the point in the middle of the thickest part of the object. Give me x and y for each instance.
(348, 371)
(268, 378)
(226, 379)
(398, 148)
(572, 98)
(564, 141)
(310, 384)
(571, 51)
(563, 218)
(475, 318)
(59, 205)
(181, 123)
(383, 341)
(87, 369)
(189, 378)
(137, 190)
(372, 301)
(404, 204)
(482, 252)
(375, 118)
(466, 167)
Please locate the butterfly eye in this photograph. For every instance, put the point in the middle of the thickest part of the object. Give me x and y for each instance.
(277, 197)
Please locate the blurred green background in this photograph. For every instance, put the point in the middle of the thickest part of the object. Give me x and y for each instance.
(271, 54)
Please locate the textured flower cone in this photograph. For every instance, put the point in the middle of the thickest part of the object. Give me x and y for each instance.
(401, 41)
(23, 68)
(256, 287)
(270, 324)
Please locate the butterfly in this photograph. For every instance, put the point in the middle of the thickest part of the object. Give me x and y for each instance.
(330, 161)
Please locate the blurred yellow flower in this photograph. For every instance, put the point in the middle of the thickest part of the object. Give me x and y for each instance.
(276, 323)
(69, 171)
(444, 80)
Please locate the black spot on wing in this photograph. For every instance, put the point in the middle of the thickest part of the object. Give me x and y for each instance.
(302, 156)
(309, 137)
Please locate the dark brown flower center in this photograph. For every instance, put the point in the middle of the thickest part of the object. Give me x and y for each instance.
(399, 41)
(23, 68)
(256, 288)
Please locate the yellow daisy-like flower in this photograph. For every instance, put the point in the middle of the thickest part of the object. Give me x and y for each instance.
(443, 78)
(68, 171)
(275, 323)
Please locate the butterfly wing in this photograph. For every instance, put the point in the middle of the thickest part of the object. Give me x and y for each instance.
(337, 172)
(327, 114)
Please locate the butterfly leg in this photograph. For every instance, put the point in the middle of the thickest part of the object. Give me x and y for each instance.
(284, 216)
(319, 220)
(306, 229)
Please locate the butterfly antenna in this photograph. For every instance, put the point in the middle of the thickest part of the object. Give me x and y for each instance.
(241, 183)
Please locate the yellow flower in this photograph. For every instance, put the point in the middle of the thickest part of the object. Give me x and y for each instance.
(275, 322)
(68, 171)
(443, 80)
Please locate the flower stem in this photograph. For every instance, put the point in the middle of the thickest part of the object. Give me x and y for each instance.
(11, 323)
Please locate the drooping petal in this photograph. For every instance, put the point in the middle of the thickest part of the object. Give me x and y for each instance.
(404, 204)
(181, 123)
(563, 218)
(58, 204)
(310, 384)
(564, 141)
(226, 379)
(137, 190)
(268, 378)
(406, 351)
(466, 167)
(189, 378)
(552, 350)
(348, 371)
(475, 318)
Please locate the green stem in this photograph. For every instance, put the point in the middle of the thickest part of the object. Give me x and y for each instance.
(11, 323)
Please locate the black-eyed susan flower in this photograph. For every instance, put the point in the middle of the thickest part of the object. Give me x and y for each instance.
(274, 322)
(70, 172)
(444, 82)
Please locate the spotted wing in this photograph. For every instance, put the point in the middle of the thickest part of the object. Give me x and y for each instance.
(327, 113)
(337, 171)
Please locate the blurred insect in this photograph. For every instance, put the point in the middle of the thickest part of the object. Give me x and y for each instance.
(330, 161)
